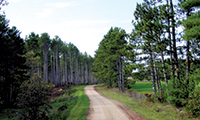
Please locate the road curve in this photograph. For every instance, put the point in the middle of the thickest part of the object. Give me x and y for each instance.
(102, 108)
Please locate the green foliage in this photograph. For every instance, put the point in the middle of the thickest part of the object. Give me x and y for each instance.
(76, 107)
(193, 105)
(34, 98)
(12, 63)
(185, 92)
(107, 57)
(179, 90)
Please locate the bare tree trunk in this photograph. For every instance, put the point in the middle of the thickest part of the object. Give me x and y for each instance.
(71, 68)
(159, 82)
(170, 41)
(65, 69)
(86, 73)
(155, 71)
(152, 74)
(76, 72)
(164, 69)
(51, 60)
(119, 73)
(91, 80)
(57, 68)
(54, 68)
(45, 68)
(174, 40)
(122, 75)
(82, 75)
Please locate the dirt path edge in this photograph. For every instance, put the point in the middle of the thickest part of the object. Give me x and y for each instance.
(131, 114)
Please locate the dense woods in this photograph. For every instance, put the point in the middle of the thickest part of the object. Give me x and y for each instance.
(163, 47)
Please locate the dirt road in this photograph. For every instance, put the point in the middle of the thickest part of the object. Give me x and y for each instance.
(102, 108)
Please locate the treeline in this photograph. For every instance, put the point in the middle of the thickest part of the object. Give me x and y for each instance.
(55, 61)
(156, 50)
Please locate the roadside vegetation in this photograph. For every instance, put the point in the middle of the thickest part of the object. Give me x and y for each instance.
(150, 110)
(155, 51)
(71, 103)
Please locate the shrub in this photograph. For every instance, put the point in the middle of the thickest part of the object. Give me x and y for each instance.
(185, 92)
(193, 105)
(179, 90)
(130, 83)
(34, 98)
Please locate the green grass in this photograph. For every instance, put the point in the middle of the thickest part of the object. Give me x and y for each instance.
(143, 87)
(73, 106)
(151, 111)
(80, 109)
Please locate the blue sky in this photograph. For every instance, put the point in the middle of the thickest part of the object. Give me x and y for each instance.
(82, 22)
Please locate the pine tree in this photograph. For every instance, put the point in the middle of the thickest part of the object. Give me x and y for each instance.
(192, 26)
(12, 62)
(44, 43)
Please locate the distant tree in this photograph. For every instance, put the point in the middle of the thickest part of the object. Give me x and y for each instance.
(44, 43)
(65, 58)
(56, 48)
(33, 50)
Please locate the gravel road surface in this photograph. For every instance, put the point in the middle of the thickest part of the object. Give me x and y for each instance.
(103, 108)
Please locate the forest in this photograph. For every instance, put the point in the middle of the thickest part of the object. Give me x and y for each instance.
(163, 48)
(53, 60)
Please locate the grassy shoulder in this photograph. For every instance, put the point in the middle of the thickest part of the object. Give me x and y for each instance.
(151, 111)
(72, 104)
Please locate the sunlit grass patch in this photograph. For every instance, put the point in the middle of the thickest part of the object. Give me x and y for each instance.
(151, 111)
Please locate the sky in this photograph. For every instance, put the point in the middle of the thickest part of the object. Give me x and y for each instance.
(81, 22)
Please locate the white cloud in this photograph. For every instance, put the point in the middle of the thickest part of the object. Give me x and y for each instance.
(60, 5)
(46, 13)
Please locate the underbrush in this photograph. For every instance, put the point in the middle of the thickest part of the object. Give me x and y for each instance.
(150, 110)
(71, 104)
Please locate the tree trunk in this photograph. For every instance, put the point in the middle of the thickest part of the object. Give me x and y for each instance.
(45, 68)
(71, 68)
(90, 73)
(164, 69)
(119, 74)
(174, 40)
(51, 60)
(86, 73)
(170, 41)
(58, 81)
(155, 71)
(65, 69)
(82, 75)
(76, 72)
(122, 68)
(152, 74)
